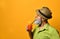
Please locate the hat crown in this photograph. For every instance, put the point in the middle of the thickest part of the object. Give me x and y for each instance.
(46, 11)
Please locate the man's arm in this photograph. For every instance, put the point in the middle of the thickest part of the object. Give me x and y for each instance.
(30, 34)
(29, 30)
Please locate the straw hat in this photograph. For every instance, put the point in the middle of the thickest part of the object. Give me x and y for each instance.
(44, 12)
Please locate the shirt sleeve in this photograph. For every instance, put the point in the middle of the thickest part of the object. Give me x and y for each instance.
(34, 29)
(55, 35)
(45, 37)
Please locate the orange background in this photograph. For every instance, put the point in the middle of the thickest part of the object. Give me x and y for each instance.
(16, 14)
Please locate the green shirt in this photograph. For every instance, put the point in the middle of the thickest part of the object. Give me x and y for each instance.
(47, 32)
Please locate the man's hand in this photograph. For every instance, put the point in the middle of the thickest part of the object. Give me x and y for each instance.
(29, 27)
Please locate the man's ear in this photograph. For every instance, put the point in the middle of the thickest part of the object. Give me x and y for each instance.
(42, 19)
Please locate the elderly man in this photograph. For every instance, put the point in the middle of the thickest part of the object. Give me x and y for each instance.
(43, 30)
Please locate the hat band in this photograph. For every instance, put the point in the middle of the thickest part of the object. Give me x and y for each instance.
(43, 14)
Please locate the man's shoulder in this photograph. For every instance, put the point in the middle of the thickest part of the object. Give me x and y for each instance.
(52, 29)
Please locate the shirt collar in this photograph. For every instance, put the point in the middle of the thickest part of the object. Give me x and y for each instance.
(45, 27)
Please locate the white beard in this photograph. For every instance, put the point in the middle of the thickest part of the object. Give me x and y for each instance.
(37, 21)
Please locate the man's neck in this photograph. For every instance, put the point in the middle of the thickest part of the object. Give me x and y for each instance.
(43, 23)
